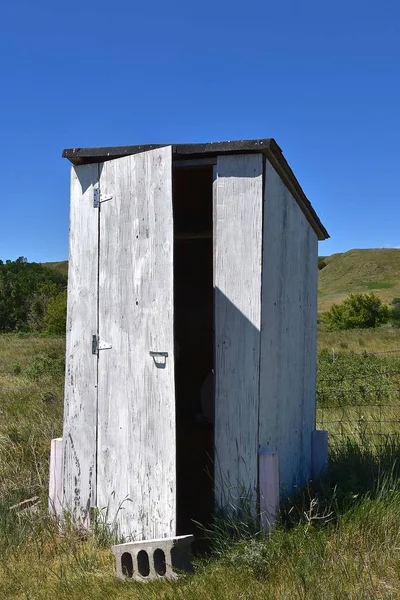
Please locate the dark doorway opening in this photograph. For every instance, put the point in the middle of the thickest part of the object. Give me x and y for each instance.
(194, 316)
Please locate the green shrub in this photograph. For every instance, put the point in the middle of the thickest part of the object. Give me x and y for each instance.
(321, 262)
(56, 314)
(395, 316)
(24, 291)
(357, 311)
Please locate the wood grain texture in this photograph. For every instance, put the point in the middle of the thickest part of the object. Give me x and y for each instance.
(136, 427)
(288, 341)
(268, 469)
(237, 287)
(319, 453)
(79, 436)
(55, 477)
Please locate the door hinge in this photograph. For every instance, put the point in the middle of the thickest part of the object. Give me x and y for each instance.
(98, 344)
(99, 197)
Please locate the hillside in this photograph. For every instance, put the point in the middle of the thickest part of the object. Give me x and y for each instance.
(372, 270)
(60, 267)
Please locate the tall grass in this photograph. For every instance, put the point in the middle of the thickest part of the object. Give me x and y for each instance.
(31, 407)
(338, 539)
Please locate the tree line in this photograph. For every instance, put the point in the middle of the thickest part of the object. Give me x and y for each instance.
(33, 297)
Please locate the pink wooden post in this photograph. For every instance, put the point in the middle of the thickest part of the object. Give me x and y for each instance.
(269, 488)
(55, 478)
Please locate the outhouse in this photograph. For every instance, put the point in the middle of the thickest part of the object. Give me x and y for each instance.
(191, 331)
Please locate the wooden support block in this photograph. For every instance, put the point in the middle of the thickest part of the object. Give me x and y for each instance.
(269, 488)
(55, 478)
(319, 453)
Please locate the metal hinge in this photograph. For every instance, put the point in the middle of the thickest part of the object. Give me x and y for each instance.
(99, 197)
(98, 344)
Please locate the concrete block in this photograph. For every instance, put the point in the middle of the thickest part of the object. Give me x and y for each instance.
(154, 559)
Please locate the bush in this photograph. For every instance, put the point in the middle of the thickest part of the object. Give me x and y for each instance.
(55, 317)
(357, 311)
(395, 313)
(321, 262)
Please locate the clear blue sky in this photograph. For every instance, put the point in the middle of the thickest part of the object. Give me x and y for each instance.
(323, 78)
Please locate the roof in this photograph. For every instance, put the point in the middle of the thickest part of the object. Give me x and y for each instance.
(268, 147)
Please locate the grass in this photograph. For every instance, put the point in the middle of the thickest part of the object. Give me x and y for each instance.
(358, 385)
(382, 339)
(339, 540)
(31, 407)
(376, 270)
(342, 542)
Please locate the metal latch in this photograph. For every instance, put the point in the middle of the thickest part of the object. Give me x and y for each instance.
(99, 197)
(98, 344)
(160, 359)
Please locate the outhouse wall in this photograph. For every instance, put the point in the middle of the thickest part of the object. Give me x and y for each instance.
(288, 332)
(265, 284)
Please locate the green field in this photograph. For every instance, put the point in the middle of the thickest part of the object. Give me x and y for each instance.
(341, 541)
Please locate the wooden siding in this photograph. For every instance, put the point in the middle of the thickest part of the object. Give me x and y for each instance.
(237, 287)
(288, 344)
(79, 436)
(136, 428)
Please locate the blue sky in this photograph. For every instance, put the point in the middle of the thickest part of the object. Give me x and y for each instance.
(322, 78)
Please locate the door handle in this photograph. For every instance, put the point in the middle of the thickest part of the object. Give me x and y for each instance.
(157, 357)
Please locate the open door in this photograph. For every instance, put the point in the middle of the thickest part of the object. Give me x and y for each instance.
(136, 442)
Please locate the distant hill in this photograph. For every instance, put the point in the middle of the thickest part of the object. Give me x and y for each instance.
(61, 267)
(376, 270)
(373, 270)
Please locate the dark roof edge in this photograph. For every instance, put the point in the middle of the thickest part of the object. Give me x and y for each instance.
(269, 147)
(281, 166)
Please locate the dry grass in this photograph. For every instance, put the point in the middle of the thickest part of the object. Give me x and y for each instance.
(376, 270)
(383, 339)
(31, 405)
(340, 542)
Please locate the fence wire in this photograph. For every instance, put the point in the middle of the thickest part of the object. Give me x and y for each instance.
(362, 405)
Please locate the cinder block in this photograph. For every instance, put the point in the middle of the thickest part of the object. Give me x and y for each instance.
(154, 559)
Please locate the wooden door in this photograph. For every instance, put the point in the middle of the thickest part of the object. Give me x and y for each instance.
(80, 403)
(136, 442)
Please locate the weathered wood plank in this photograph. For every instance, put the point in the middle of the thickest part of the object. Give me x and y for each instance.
(268, 469)
(79, 436)
(136, 429)
(289, 321)
(237, 286)
(319, 453)
(55, 477)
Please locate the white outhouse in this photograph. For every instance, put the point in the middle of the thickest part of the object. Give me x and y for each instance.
(191, 331)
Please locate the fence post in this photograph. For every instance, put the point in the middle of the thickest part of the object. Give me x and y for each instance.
(319, 453)
(268, 467)
(55, 477)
